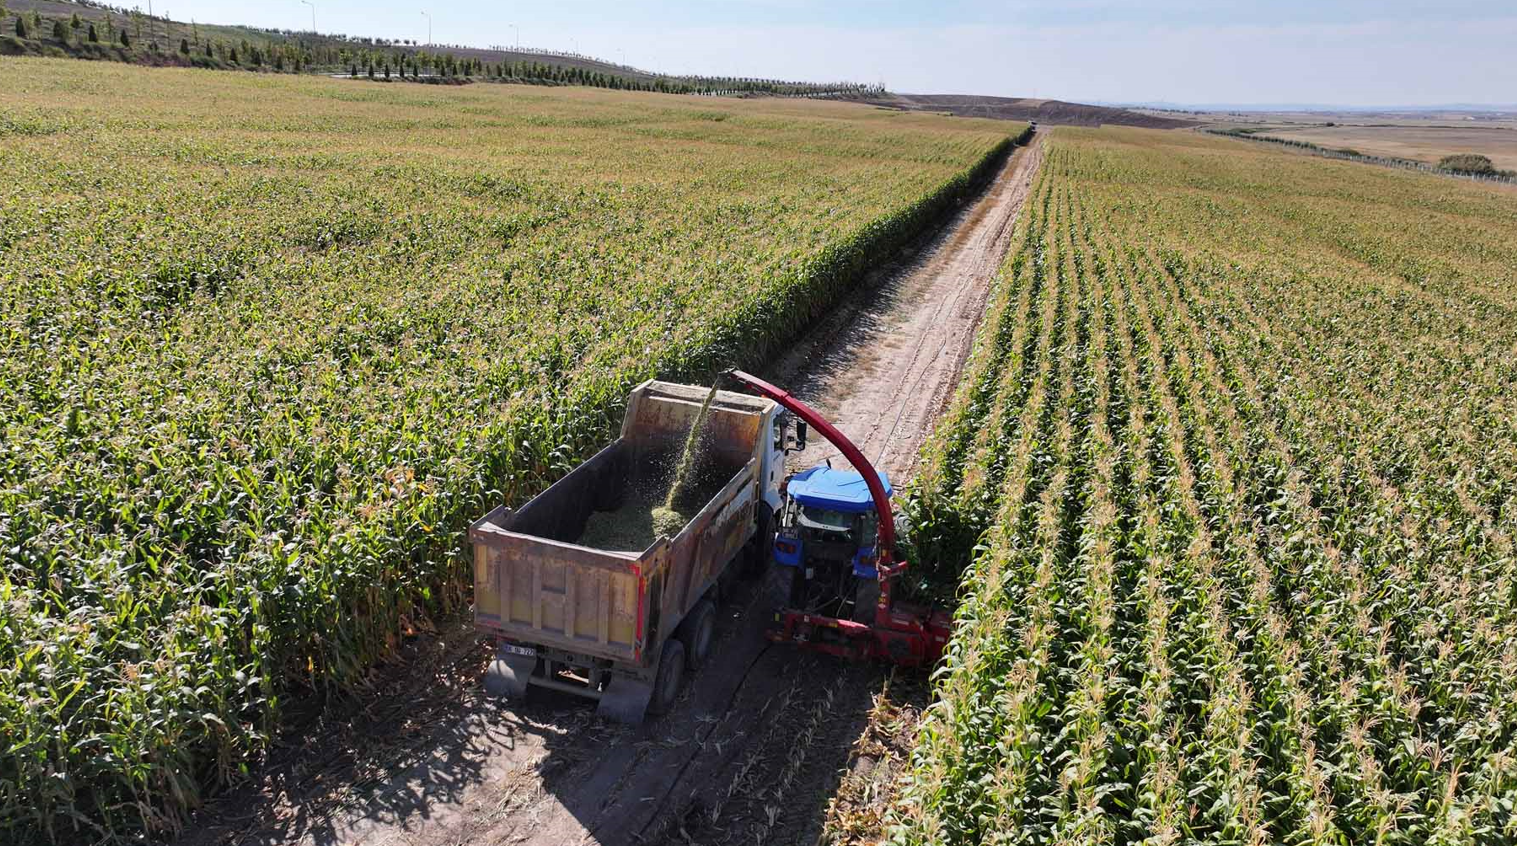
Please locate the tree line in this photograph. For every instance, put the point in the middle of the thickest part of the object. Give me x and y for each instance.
(130, 35)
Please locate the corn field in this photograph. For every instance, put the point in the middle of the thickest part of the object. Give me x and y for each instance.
(1231, 475)
(268, 343)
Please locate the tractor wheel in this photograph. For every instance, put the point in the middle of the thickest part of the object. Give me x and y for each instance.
(697, 633)
(866, 595)
(671, 671)
(780, 585)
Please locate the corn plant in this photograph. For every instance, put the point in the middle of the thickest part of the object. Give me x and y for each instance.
(1249, 578)
(268, 345)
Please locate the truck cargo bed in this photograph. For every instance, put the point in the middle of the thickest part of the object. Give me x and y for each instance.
(535, 579)
(550, 589)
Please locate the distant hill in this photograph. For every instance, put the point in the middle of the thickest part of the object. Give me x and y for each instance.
(1024, 108)
(159, 40)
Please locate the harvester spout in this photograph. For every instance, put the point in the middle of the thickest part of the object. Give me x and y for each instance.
(902, 633)
(886, 548)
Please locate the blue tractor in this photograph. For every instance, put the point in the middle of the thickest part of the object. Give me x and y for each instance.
(824, 545)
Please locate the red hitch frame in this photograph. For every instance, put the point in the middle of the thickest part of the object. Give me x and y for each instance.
(903, 634)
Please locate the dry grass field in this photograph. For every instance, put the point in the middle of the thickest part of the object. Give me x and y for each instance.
(1422, 143)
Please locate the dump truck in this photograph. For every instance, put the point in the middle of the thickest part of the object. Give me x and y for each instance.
(619, 616)
(583, 593)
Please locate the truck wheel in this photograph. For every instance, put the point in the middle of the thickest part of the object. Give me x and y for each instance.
(761, 549)
(697, 632)
(671, 671)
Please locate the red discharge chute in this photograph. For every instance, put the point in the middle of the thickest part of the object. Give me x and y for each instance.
(903, 634)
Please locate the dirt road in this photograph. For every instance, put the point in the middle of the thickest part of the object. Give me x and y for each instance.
(756, 744)
(883, 366)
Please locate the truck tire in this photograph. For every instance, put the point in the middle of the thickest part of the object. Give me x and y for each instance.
(697, 633)
(761, 548)
(671, 671)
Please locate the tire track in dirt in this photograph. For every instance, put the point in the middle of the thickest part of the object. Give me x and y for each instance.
(884, 366)
(757, 742)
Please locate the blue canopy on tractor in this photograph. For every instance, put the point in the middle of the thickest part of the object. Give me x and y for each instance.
(835, 490)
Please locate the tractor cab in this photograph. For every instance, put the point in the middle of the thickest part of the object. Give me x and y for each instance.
(824, 546)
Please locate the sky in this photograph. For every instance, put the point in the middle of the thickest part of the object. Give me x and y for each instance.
(1339, 52)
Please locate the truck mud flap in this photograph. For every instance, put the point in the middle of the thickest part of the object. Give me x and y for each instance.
(508, 674)
(625, 700)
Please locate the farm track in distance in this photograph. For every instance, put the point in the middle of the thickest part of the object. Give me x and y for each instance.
(756, 743)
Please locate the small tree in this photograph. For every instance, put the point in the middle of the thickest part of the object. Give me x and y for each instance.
(371, 70)
(184, 46)
(232, 56)
(92, 35)
(387, 70)
(20, 26)
(279, 61)
(60, 31)
(353, 70)
(209, 53)
(126, 40)
(74, 22)
(1467, 163)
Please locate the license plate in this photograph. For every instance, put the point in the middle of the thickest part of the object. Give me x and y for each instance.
(524, 651)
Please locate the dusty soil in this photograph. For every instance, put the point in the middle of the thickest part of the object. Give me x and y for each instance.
(758, 743)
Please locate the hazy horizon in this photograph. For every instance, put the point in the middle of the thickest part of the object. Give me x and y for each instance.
(1354, 53)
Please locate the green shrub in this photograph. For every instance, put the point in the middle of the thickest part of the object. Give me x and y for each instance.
(1467, 163)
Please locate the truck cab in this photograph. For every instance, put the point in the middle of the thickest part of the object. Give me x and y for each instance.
(824, 546)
